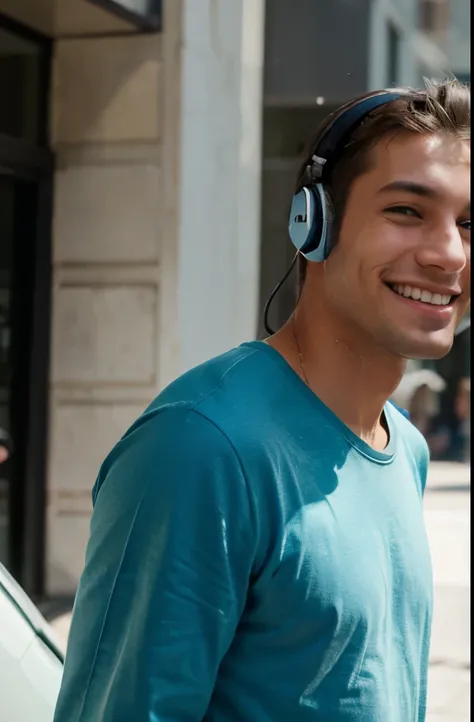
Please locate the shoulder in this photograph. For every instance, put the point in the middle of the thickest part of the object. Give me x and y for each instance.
(224, 374)
(240, 393)
(166, 450)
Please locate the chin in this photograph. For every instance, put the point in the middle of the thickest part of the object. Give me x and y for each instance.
(429, 350)
(421, 346)
(429, 354)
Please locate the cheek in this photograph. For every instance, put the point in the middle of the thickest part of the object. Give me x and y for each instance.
(390, 242)
(337, 270)
(360, 259)
(346, 279)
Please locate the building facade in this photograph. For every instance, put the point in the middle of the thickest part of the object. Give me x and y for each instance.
(144, 173)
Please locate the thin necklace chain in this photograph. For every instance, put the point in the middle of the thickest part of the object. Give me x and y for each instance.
(305, 378)
(300, 355)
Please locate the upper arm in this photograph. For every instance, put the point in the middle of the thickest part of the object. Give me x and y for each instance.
(167, 570)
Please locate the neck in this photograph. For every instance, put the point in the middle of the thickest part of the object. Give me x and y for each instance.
(343, 367)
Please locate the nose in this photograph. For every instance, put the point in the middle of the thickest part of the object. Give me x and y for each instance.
(446, 249)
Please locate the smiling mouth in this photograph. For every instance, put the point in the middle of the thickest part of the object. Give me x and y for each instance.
(421, 295)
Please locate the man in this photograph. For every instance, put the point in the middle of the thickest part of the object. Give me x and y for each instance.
(257, 549)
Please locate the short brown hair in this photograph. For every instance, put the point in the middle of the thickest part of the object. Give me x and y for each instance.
(443, 107)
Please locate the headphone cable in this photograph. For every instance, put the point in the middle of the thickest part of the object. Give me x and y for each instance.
(271, 298)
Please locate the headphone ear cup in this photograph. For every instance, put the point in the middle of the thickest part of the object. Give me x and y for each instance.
(310, 221)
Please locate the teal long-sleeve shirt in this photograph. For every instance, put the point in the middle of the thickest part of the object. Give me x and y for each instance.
(252, 560)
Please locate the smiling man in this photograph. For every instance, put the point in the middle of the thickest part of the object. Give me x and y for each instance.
(257, 548)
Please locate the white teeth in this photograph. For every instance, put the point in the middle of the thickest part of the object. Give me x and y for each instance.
(418, 294)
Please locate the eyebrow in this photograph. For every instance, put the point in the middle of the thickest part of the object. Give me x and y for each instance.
(417, 189)
(410, 187)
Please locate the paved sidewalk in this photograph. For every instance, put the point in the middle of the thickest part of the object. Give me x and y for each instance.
(447, 513)
(448, 474)
(449, 695)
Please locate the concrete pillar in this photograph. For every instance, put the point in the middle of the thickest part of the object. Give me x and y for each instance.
(218, 236)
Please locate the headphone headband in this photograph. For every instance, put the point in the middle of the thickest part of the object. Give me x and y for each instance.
(338, 131)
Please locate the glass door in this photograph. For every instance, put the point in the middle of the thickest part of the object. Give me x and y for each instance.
(26, 172)
(18, 214)
(6, 233)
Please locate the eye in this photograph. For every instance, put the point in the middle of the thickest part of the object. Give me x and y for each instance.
(404, 211)
(466, 225)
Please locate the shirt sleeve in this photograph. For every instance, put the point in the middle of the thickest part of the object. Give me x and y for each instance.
(167, 570)
(423, 463)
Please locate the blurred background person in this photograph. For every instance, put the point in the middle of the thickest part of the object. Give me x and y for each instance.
(418, 393)
(5, 446)
(463, 414)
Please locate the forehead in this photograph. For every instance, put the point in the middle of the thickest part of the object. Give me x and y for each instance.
(439, 161)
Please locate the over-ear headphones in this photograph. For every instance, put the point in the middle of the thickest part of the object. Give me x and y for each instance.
(311, 213)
